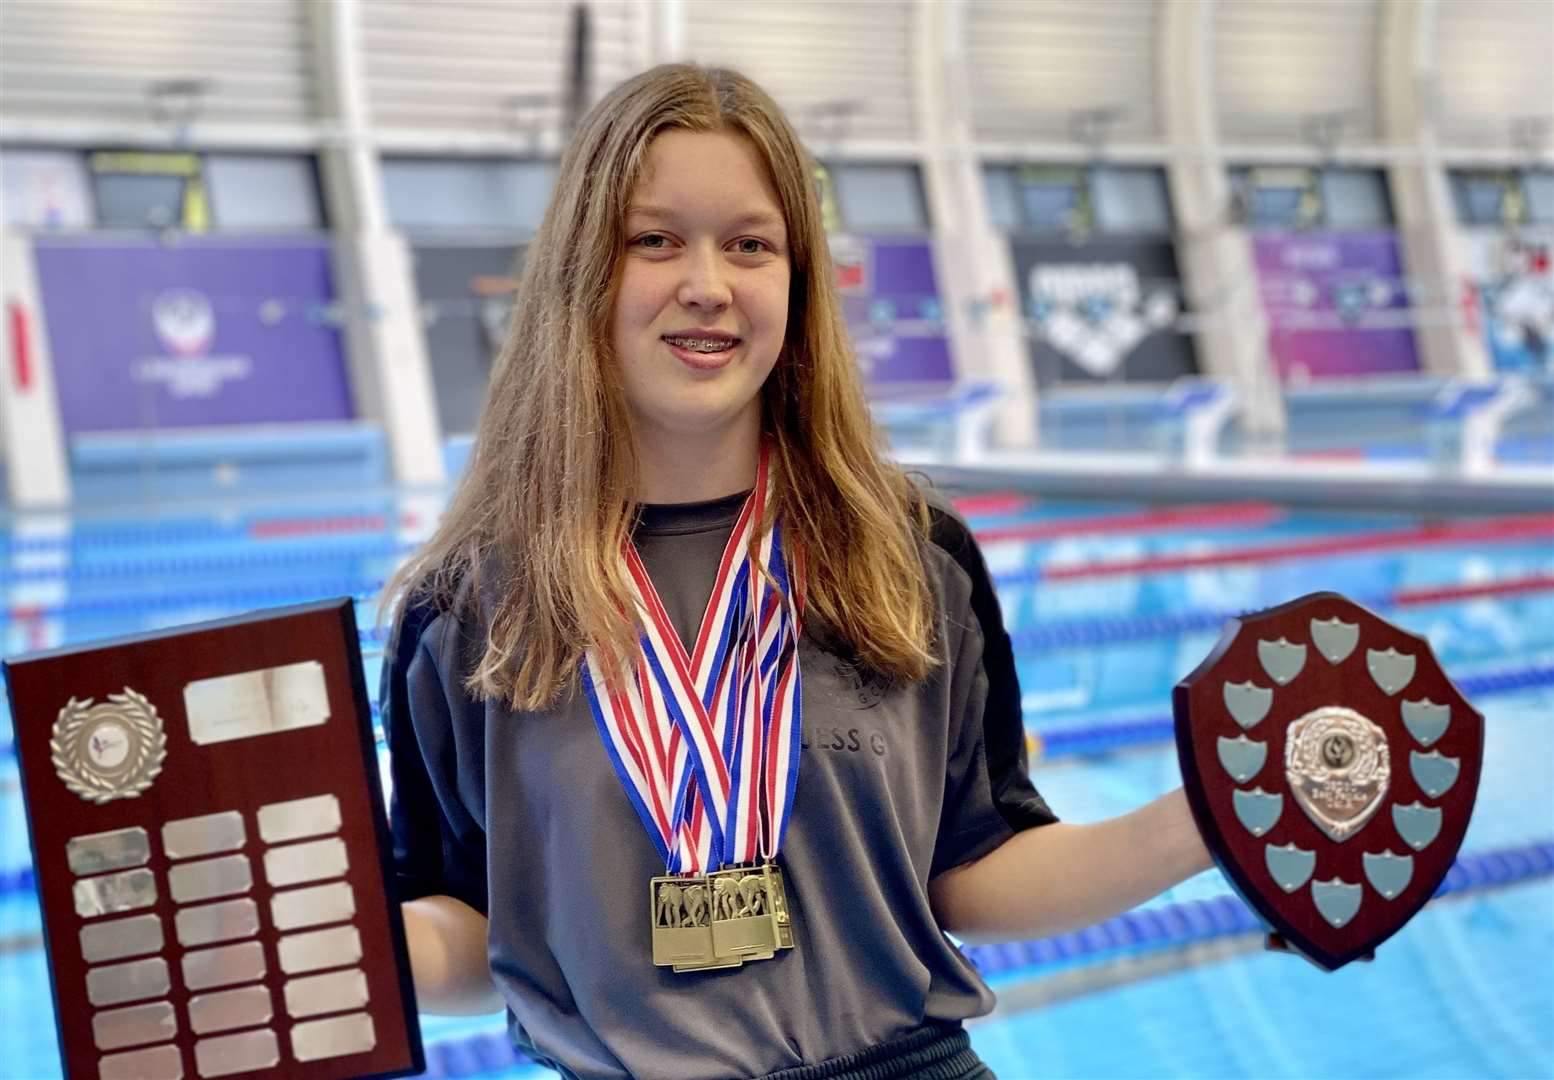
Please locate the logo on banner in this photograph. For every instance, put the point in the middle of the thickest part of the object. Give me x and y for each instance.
(851, 261)
(1096, 313)
(185, 323)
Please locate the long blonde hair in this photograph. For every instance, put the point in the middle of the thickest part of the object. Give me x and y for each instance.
(537, 524)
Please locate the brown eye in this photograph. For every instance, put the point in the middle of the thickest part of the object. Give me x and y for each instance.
(749, 245)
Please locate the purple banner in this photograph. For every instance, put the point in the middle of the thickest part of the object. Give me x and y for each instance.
(197, 333)
(1336, 304)
(890, 298)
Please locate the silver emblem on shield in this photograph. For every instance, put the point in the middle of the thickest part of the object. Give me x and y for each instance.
(1337, 765)
(112, 750)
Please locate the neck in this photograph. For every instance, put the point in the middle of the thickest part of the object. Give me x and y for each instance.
(676, 468)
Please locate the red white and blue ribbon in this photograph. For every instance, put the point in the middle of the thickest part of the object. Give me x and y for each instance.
(706, 743)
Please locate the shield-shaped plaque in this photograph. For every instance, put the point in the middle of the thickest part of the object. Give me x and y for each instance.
(1331, 766)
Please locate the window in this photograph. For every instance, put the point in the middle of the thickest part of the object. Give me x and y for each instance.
(879, 198)
(250, 191)
(431, 194)
(44, 189)
(1072, 199)
(1500, 197)
(1311, 197)
(1131, 200)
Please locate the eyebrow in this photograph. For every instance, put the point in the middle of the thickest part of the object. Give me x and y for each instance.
(750, 218)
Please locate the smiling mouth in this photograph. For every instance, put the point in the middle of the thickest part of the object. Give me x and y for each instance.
(702, 344)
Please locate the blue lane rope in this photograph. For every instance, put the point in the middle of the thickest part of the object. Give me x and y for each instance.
(223, 563)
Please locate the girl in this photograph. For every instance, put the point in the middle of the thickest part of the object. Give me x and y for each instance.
(703, 719)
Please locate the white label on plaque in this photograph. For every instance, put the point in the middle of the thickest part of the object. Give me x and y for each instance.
(228, 1009)
(326, 993)
(210, 878)
(256, 702)
(316, 860)
(312, 906)
(338, 1035)
(113, 893)
(118, 983)
(319, 949)
(137, 1024)
(210, 923)
(189, 838)
(155, 1063)
(223, 966)
(104, 851)
(243, 1052)
(118, 938)
(299, 818)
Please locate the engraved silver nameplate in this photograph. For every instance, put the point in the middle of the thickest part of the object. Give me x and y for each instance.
(1338, 769)
(210, 878)
(299, 819)
(155, 1063)
(118, 938)
(211, 834)
(209, 923)
(312, 906)
(319, 949)
(256, 702)
(113, 893)
(223, 965)
(117, 983)
(105, 851)
(313, 1040)
(243, 1052)
(114, 1029)
(326, 993)
(295, 864)
(228, 1009)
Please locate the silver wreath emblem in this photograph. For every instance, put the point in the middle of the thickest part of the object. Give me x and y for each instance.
(109, 751)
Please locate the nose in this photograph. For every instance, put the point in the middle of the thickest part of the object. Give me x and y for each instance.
(705, 285)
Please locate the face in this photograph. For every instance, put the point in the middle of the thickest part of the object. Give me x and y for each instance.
(703, 301)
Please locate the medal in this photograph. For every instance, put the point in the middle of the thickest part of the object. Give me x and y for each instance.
(706, 746)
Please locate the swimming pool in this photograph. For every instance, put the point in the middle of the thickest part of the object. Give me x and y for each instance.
(1108, 604)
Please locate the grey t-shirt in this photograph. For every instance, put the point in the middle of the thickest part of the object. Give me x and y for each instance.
(521, 816)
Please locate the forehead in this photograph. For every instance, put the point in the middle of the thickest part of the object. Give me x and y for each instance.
(704, 174)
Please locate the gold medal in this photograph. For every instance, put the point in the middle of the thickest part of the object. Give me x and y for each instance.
(679, 911)
(742, 922)
(782, 920)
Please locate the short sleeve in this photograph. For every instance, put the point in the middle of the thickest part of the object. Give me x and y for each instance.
(439, 845)
(988, 791)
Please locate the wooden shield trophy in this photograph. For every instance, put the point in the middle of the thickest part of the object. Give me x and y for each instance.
(1331, 766)
(211, 850)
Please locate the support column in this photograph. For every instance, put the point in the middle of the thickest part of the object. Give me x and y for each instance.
(36, 459)
(390, 374)
(981, 306)
(1421, 199)
(1218, 272)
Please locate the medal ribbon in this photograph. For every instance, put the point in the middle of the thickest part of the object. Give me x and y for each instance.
(706, 744)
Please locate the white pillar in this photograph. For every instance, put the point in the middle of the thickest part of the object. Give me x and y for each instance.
(36, 458)
(973, 260)
(1426, 220)
(390, 374)
(1218, 272)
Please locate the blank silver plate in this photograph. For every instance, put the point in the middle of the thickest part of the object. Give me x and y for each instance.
(155, 1063)
(104, 851)
(299, 818)
(316, 860)
(117, 983)
(223, 966)
(228, 1009)
(118, 938)
(113, 893)
(137, 1024)
(256, 702)
(313, 906)
(326, 993)
(210, 923)
(319, 949)
(189, 838)
(244, 1052)
(210, 878)
(315, 1039)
